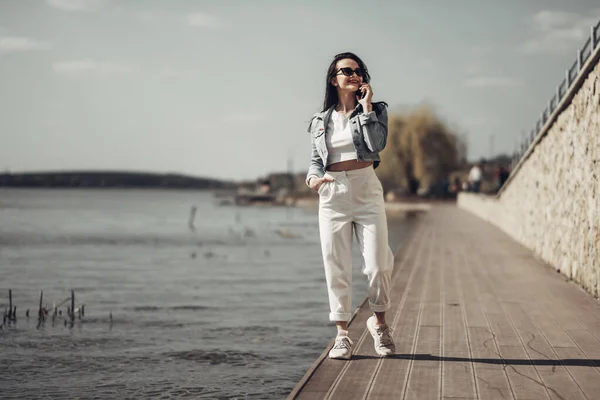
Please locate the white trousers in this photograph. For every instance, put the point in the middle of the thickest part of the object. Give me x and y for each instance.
(354, 201)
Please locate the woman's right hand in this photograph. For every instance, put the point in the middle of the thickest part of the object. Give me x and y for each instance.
(315, 183)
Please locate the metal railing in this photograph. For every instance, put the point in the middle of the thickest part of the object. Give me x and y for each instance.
(561, 90)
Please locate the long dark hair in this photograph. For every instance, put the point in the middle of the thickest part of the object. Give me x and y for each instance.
(331, 96)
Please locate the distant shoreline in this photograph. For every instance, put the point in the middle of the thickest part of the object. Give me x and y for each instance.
(109, 180)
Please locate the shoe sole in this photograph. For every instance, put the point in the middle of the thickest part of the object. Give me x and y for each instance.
(341, 358)
(374, 335)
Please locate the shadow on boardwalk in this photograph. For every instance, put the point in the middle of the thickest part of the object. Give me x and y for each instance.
(428, 357)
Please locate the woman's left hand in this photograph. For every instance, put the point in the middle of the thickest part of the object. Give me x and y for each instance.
(365, 102)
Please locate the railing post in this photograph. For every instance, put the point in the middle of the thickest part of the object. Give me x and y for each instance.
(579, 60)
(550, 110)
(568, 81)
(557, 95)
(593, 37)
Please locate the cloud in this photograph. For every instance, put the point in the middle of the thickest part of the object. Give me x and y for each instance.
(77, 5)
(88, 66)
(558, 32)
(203, 20)
(481, 75)
(13, 44)
(490, 81)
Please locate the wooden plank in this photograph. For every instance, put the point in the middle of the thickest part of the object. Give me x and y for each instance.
(457, 373)
(457, 378)
(450, 290)
(489, 369)
(490, 376)
(522, 375)
(307, 395)
(424, 383)
(470, 286)
(593, 326)
(586, 376)
(454, 337)
(587, 343)
(503, 330)
(457, 398)
(428, 341)
(432, 314)
(424, 379)
(560, 384)
(474, 316)
(492, 384)
(553, 332)
(390, 379)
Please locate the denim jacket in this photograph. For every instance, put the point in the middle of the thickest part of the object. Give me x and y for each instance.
(369, 134)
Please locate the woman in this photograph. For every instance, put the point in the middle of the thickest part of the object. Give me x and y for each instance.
(347, 137)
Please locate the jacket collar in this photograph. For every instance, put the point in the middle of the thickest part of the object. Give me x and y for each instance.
(326, 115)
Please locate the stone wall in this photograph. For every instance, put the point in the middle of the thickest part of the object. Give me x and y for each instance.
(552, 202)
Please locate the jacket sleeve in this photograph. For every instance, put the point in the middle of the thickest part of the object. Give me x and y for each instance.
(375, 128)
(316, 167)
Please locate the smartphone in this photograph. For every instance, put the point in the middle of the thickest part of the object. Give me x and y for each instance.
(360, 94)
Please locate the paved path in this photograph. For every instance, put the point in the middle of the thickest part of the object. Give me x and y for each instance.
(475, 316)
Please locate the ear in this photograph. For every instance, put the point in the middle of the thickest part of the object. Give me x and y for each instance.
(334, 82)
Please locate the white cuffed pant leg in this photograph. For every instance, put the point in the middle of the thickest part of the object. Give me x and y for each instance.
(354, 202)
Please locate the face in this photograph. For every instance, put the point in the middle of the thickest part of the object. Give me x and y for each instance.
(343, 82)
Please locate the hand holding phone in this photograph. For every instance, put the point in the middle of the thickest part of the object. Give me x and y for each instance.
(364, 96)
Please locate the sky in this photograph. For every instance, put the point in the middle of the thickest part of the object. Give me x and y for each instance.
(226, 88)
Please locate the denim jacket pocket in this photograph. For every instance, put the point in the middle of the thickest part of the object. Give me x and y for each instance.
(319, 132)
(318, 128)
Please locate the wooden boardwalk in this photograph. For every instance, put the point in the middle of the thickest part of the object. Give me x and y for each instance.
(475, 316)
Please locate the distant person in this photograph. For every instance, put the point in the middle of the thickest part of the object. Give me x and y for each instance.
(475, 178)
(347, 136)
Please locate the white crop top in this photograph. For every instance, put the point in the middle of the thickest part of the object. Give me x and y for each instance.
(339, 139)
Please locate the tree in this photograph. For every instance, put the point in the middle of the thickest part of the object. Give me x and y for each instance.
(421, 150)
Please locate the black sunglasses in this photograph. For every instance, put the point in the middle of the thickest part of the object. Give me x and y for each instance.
(349, 71)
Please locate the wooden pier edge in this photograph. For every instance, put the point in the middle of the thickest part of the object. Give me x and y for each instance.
(302, 382)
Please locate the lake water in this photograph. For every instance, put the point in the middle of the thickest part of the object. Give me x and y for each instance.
(236, 308)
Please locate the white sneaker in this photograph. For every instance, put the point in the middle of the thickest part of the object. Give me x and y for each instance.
(342, 348)
(382, 337)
